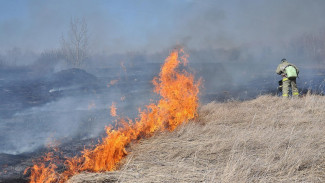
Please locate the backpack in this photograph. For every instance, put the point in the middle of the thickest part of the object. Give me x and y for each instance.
(291, 72)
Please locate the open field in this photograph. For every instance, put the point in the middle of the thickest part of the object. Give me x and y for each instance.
(71, 107)
(267, 139)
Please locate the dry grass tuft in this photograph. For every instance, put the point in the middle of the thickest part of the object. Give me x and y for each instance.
(268, 139)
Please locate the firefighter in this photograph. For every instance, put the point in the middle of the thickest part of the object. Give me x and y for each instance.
(289, 73)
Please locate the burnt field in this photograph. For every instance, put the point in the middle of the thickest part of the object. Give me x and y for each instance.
(69, 109)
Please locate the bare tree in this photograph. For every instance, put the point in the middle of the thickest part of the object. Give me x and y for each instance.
(75, 47)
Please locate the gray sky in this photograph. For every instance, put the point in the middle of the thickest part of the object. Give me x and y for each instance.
(153, 25)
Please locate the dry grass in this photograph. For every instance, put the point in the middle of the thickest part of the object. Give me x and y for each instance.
(268, 139)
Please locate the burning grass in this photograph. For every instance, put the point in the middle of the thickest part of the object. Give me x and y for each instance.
(178, 104)
(267, 139)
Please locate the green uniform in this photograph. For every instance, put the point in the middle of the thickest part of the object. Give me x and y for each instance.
(287, 82)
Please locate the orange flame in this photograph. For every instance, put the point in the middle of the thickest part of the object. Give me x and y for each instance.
(40, 173)
(113, 110)
(178, 104)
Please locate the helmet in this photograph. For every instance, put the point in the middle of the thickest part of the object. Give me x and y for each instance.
(283, 60)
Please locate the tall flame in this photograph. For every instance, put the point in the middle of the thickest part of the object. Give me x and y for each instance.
(178, 104)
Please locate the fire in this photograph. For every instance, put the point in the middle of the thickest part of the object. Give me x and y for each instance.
(178, 104)
(113, 110)
(111, 83)
(42, 173)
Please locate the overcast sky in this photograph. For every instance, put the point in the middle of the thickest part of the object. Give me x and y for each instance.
(152, 25)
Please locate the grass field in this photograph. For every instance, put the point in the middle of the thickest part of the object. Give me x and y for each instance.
(268, 139)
